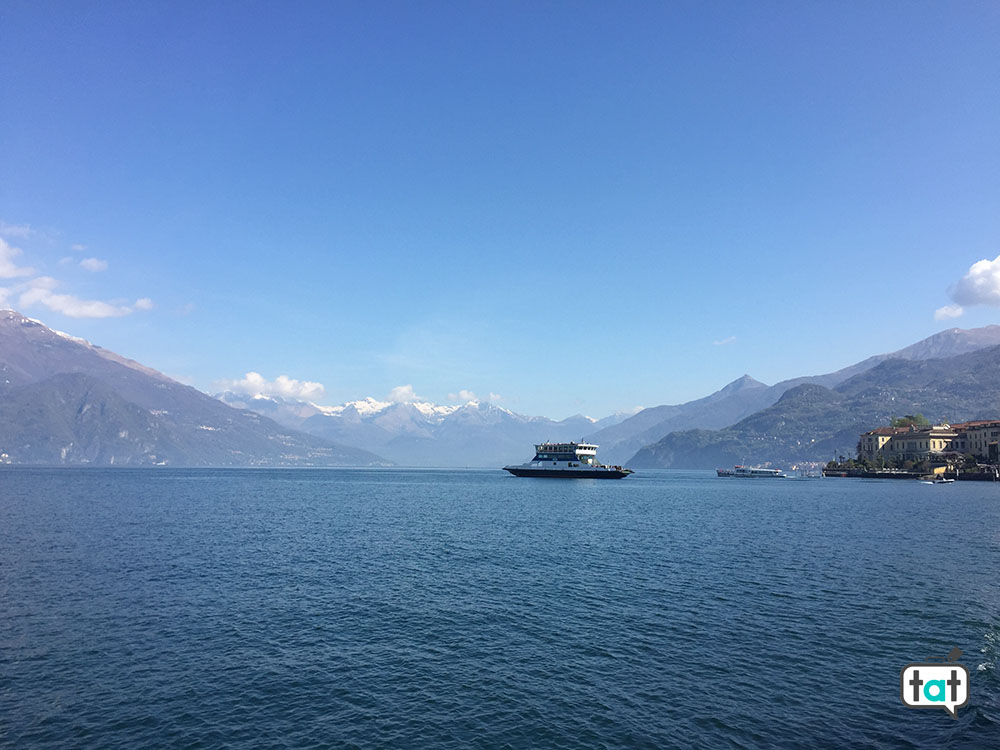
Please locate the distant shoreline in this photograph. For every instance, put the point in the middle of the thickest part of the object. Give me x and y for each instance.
(968, 476)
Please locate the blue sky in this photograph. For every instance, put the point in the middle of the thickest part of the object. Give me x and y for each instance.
(579, 207)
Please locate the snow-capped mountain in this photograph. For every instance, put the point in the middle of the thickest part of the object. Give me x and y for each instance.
(294, 412)
(66, 401)
(421, 433)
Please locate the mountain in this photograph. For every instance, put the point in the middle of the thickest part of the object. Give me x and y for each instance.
(746, 396)
(727, 405)
(941, 345)
(66, 401)
(421, 433)
(285, 411)
(813, 423)
(474, 434)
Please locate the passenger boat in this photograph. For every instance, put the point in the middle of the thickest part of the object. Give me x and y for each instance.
(751, 472)
(567, 461)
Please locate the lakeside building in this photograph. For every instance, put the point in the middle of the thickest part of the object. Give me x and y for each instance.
(872, 442)
(983, 439)
(917, 443)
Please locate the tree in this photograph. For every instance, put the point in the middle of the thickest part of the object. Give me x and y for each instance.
(915, 420)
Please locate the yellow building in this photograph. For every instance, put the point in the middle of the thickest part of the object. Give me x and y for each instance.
(921, 443)
(915, 443)
(873, 441)
(982, 439)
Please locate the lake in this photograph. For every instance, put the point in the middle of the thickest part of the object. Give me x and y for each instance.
(452, 609)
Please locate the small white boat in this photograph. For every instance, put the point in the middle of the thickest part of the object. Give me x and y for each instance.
(751, 472)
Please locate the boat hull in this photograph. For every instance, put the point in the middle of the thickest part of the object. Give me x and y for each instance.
(528, 471)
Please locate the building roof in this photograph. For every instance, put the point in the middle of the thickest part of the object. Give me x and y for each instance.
(888, 431)
(929, 430)
(974, 424)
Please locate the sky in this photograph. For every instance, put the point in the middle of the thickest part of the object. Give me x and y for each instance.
(578, 207)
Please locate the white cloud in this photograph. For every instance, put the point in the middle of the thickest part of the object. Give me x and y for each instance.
(41, 291)
(78, 247)
(255, 384)
(948, 312)
(94, 264)
(9, 269)
(42, 282)
(723, 342)
(403, 394)
(16, 230)
(980, 286)
(494, 398)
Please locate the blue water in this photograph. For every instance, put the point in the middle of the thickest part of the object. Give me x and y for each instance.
(452, 609)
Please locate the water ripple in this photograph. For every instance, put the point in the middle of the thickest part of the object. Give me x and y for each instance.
(453, 609)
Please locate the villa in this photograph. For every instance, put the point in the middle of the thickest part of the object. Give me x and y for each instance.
(917, 443)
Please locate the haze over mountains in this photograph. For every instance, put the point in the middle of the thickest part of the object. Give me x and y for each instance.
(421, 433)
(479, 434)
(63, 400)
(746, 396)
(813, 423)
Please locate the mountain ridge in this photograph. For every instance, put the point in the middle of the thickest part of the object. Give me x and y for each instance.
(52, 384)
(420, 433)
(742, 398)
(811, 422)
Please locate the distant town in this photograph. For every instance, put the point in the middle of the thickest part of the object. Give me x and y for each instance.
(913, 446)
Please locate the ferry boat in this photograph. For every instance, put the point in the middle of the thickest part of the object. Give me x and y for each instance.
(567, 461)
(751, 472)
